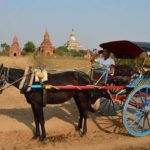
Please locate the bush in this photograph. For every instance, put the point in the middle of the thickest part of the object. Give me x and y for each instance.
(29, 47)
(63, 51)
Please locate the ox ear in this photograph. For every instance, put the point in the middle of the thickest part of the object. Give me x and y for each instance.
(1, 68)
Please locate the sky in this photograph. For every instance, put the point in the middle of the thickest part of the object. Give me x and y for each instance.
(94, 21)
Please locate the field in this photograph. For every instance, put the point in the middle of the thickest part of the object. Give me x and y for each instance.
(16, 120)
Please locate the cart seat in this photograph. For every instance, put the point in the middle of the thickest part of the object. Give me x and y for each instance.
(123, 75)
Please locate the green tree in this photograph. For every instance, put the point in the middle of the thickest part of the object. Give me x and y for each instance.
(5, 47)
(62, 51)
(29, 47)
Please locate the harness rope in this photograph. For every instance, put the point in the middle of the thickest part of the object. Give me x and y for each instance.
(6, 78)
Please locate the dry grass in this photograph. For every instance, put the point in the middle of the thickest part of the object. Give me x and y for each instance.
(55, 63)
(18, 62)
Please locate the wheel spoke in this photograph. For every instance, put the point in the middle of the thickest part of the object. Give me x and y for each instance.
(132, 99)
(136, 119)
(144, 124)
(141, 97)
(133, 108)
(109, 107)
(137, 126)
(103, 106)
(133, 115)
(146, 93)
(113, 105)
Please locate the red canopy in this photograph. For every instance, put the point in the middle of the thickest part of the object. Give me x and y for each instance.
(125, 49)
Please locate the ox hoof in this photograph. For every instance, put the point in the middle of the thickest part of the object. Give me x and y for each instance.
(42, 138)
(78, 128)
(84, 133)
(35, 137)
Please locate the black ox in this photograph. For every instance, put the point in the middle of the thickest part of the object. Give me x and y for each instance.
(84, 99)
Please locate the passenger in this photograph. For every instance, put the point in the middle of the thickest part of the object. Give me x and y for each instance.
(105, 60)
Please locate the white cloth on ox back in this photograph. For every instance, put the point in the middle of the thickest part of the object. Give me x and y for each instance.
(40, 75)
(23, 79)
(26, 73)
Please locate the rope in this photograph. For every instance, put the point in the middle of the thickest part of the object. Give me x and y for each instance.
(3, 88)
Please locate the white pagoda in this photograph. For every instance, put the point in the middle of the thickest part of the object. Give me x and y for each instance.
(72, 43)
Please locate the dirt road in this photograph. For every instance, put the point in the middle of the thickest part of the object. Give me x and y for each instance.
(16, 127)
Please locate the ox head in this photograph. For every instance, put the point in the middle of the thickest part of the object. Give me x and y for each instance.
(2, 77)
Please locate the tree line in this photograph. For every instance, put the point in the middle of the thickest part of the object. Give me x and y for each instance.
(30, 47)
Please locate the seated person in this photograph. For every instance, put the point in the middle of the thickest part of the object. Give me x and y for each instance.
(105, 62)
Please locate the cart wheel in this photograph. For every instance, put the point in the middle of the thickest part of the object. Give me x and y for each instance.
(107, 105)
(136, 112)
(109, 108)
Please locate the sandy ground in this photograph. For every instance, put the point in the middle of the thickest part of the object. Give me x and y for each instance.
(16, 127)
(17, 124)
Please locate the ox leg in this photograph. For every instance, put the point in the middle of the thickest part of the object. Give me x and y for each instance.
(79, 126)
(83, 122)
(84, 109)
(82, 104)
(85, 115)
(37, 129)
(40, 116)
(80, 122)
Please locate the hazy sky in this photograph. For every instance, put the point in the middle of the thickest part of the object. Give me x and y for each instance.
(94, 21)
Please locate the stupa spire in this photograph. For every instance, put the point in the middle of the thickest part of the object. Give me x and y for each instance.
(72, 43)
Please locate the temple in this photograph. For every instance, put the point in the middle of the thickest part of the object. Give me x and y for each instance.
(72, 43)
(15, 49)
(46, 47)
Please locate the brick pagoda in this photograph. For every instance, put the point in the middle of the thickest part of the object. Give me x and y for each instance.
(15, 49)
(46, 47)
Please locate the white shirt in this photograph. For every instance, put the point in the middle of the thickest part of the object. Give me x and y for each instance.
(105, 62)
